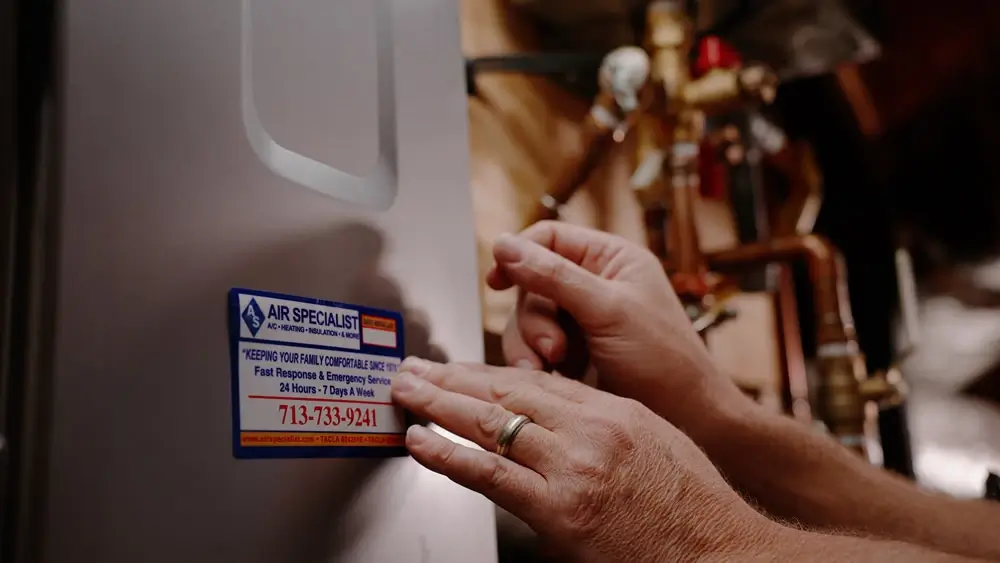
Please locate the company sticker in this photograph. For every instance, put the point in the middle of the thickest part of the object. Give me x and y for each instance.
(311, 378)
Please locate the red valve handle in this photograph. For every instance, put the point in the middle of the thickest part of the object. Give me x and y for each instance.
(715, 53)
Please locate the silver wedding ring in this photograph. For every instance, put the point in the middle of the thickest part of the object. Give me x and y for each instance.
(509, 432)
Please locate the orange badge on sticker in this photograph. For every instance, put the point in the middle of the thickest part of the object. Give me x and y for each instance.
(378, 331)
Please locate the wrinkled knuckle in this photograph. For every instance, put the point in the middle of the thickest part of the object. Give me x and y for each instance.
(430, 403)
(584, 511)
(492, 473)
(491, 420)
(560, 269)
(549, 268)
(621, 427)
(501, 389)
(587, 466)
(444, 453)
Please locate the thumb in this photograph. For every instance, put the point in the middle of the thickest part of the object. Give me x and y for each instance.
(536, 269)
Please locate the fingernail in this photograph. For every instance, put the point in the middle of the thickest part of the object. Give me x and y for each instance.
(406, 382)
(545, 346)
(507, 249)
(416, 435)
(524, 364)
(415, 365)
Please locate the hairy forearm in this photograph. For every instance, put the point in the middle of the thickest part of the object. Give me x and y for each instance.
(797, 475)
(777, 542)
(820, 548)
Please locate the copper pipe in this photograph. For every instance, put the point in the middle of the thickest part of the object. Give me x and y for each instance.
(797, 162)
(796, 386)
(598, 133)
(826, 271)
(647, 181)
(860, 97)
(841, 400)
(684, 248)
(655, 218)
(625, 95)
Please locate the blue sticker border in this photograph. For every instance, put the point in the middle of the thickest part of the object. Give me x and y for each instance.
(304, 452)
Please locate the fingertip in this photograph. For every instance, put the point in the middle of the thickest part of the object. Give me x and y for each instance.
(497, 279)
(415, 365)
(523, 357)
(516, 352)
(508, 249)
(551, 350)
(417, 436)
(545, 346)
(539, 326)
(528, 364)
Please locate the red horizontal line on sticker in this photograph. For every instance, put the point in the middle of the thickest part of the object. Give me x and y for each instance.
(354, 402)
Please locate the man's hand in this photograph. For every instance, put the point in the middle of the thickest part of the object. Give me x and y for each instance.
(644, 348)
(598, 476)
(637, 334)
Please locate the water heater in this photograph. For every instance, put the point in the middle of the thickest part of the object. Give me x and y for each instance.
(174, 150)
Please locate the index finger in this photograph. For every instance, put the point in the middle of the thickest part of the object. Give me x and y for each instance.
(543, 397)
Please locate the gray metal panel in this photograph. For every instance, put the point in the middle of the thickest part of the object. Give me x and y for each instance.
(166, 206)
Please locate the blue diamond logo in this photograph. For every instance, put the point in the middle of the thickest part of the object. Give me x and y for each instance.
(253, 316)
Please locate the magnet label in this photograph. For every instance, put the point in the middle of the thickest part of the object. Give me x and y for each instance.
(312, 378)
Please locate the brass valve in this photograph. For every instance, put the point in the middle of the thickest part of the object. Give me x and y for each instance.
(839, 402)
(845, 390)
(887, 389)
(724, 89)
(714, 315)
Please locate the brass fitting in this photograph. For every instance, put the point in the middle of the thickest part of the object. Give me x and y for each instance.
(722, 90)
(845, 390)
(841, 404)
(887, 389)
(715, 312)
(716, 91)
(669, 39)
(669, 25)
(759, 83)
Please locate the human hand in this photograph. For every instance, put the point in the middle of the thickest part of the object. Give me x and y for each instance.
(634, 328)
(600, 477)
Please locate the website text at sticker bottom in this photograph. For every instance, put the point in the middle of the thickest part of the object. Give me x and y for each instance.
(319, 439)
